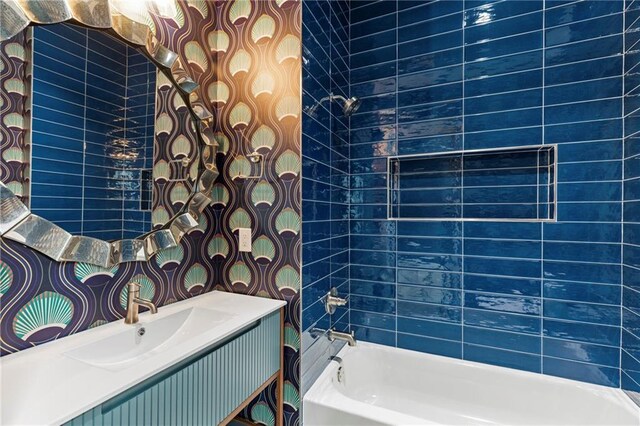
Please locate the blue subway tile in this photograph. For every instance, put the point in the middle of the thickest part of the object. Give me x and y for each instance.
(503, 303)
(578, 11)
(512, 286)
(583, 312)
(583, 352)
(579, 271)
(505, 46)
(441, 24)
(429, 278)
(426, 328)
(504, 267)
(410, 12)
(582, 332)
(502, 358)
(502, 320)
(583, 91)
(504, 28)
(591, 373)
(429, 295)
(373, 288)
(428, 345)
(584, 30)
(374, 335)
(584, 50)
(503, 83)
(589, 212)
(430, 261)
(481, 12)
(502, 340)
(429, 61)
(429, 311)
(582, 252)
(503, 65)
(582, 292)
(431, 44)
(375, 320)
(497, 248)
(583, 111)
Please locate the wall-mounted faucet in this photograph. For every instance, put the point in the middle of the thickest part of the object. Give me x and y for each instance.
(350, 338)
(332, 301)
(133, 303)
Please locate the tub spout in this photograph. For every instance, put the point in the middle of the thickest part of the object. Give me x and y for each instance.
(350, 338)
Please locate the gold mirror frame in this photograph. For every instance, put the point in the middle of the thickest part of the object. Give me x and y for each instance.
(17, 223)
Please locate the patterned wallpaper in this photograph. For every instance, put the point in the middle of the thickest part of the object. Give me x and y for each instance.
(257, 104)
(246, 56)
(15, 114)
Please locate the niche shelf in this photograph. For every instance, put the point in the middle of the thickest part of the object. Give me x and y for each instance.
(504, 184)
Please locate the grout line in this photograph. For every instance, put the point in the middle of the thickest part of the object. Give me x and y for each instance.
(462, 226)
(622, 219)
(542, 241)
(395, 260)
(349, 169)
(84, 135)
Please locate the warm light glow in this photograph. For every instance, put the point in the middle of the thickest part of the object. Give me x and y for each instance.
(162, 8)
(140, 10)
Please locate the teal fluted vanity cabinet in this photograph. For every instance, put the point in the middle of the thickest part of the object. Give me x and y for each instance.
(207, 388)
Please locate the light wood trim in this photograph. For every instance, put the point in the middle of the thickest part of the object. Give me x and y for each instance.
(251, 397)
(280, 384)
(278, 375)
(244, 421)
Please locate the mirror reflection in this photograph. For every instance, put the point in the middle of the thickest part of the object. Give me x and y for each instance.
(92, 149)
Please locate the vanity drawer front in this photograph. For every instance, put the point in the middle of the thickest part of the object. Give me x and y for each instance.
(202, 392)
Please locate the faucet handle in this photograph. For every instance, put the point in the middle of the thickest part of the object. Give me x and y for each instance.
(331, 301)
(133, 289)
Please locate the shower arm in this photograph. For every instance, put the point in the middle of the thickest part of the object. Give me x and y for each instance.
(331, 97)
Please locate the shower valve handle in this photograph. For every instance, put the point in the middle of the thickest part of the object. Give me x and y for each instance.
(332, 301)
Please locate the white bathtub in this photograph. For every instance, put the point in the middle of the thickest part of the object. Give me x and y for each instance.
(389, 386)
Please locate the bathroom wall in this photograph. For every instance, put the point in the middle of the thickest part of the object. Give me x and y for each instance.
(257, 103)
(630, 356)
(325, 178)
(14, 127)
(84, 99)
(461, 75)
(246, 55)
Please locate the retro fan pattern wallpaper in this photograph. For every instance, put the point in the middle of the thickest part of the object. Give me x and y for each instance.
(246, 56)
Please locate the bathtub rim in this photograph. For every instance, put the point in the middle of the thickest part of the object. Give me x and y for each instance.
(319, 393)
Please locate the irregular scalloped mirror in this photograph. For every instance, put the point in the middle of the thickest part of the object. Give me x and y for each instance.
(111, 138)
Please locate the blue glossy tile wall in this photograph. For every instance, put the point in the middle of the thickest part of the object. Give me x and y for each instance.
(461, 75)
(325, 177)
(76, 154)
(630, 357)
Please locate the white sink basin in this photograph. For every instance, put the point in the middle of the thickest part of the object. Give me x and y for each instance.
(148, 337)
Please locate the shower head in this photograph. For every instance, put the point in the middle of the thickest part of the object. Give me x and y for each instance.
(349, 106)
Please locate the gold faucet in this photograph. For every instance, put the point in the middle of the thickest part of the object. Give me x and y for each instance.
(134, 301)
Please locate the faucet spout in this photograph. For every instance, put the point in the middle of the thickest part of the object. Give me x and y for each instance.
(146, 303)
(133, 303)
(350, 338)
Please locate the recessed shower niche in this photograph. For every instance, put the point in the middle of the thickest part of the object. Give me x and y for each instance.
(517, 184)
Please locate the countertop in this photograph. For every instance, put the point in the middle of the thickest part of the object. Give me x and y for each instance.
(42, 385)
